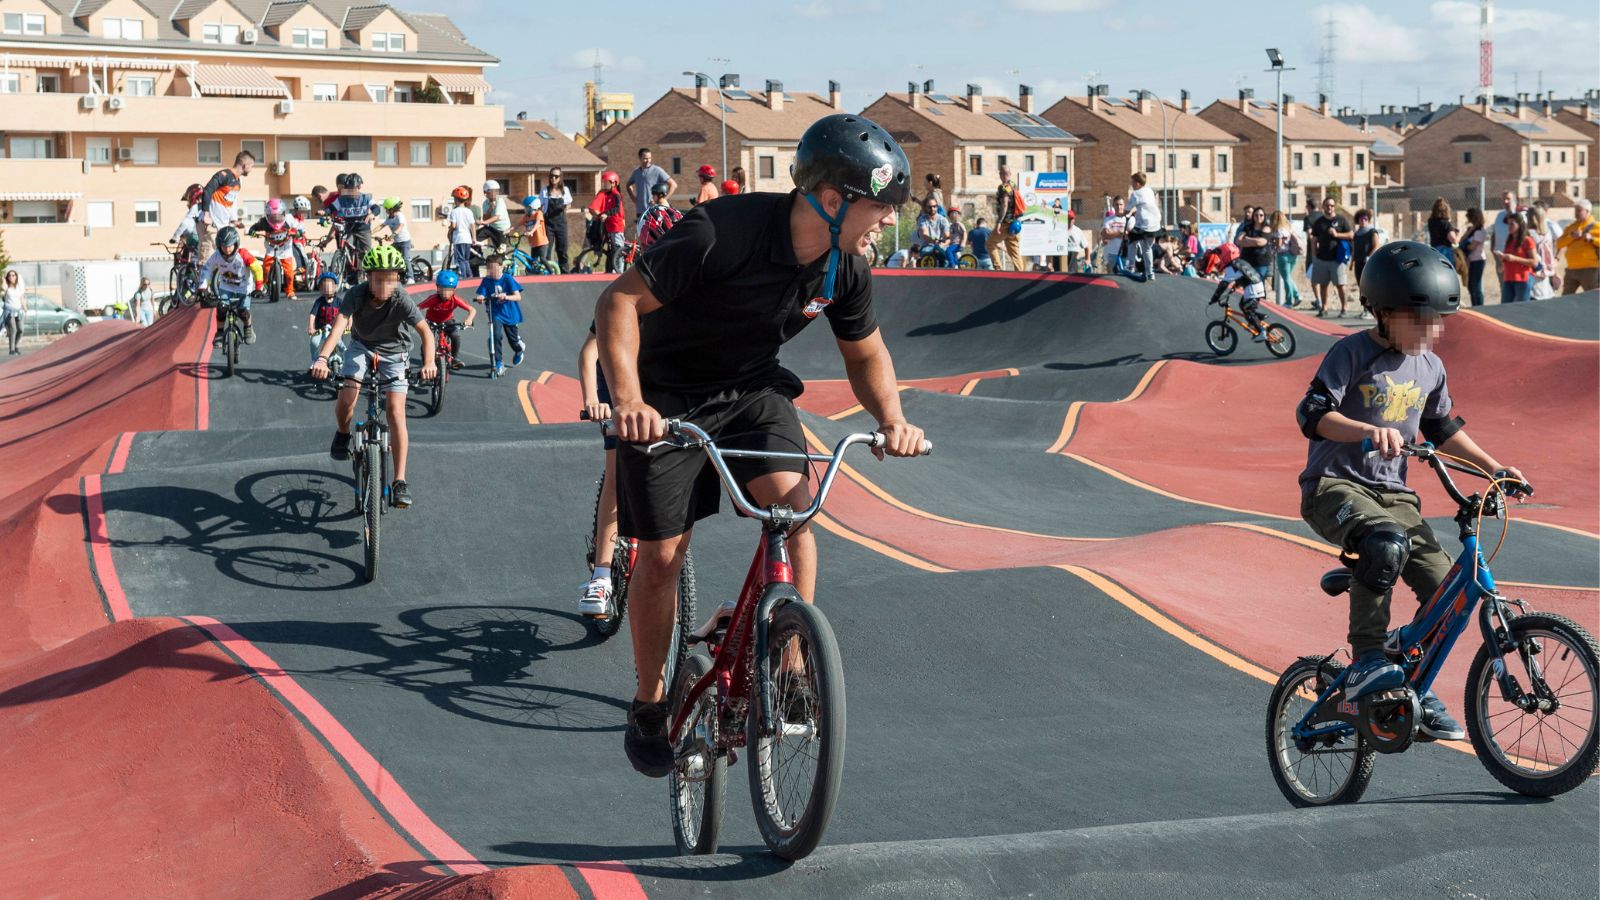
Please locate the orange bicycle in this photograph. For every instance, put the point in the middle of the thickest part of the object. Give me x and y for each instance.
(1223, 338)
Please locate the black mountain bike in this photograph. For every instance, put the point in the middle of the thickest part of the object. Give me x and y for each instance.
(180, 280)
(369, 458)
(230, 326)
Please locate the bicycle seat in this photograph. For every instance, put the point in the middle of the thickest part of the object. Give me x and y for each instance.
(1337, 581)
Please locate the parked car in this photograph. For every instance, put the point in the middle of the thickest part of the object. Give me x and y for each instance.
(45, 316)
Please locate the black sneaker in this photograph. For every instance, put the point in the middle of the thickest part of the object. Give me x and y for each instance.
(646, 739)
(340, 450)
(798, 703)
(400, 495)
(1437, 723)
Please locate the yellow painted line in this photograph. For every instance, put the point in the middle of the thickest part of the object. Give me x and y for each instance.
(966, 389)
(855, 537)
(845, 414)
(1128, 479)
(850, 473)
(1070, 424)
(524, 394)
(1526, 332)
(1569, 530)
(545, 376)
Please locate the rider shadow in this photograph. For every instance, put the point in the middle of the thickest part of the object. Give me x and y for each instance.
(479, 662)
(297, 382)
(204, 371)
(1014, 305)
(1469, 798)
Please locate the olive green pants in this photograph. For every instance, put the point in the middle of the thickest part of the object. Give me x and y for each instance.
(1340, 510)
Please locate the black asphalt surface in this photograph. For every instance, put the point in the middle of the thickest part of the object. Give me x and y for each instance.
(1012, 732)
(1576, 316)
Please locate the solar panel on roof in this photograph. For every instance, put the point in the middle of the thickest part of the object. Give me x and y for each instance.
(1028, 125)
(725, 107)
(546, 135)
(941, 98)
(737, 94)
(934, 110)
(1040, 131)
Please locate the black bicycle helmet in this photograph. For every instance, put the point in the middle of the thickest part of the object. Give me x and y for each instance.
(855, 155)
(227, 236)
(1410, 275)
(355, 179)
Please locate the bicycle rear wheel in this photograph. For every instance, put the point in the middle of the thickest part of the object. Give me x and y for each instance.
(421, 269)
(1280, 341)
(230, 346)
(372, 472)
(1538, 752)
(794, 772)
(928, 261)
(1328, 770)
(1221, 337)
(590, 261)
(340, 266)
(436, 400)
(966, 261)
(699, 779)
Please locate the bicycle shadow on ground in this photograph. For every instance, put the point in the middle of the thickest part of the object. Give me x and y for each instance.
(1468, 798)
(479, 662)
(1013, 305)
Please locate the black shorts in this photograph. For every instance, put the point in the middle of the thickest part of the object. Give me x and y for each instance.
(603, 394)
(662, 494)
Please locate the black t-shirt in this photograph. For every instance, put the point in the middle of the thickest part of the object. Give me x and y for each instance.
(732, 293)
(1323, 229)
(385, 329)
(1261, 256)
(1439, 232)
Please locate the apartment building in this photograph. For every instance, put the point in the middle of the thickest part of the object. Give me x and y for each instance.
(1521, 148)
(1321, 155)
(109, 108)
(1188, 160)
(1585, 119)
(966, 140)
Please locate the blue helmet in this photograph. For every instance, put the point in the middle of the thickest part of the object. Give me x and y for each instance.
(446, 279)
(327, 276)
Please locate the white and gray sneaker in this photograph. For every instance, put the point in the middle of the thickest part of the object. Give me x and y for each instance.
(596, 600)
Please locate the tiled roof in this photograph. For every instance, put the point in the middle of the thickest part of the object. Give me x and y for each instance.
(1535, 127)
(961, 122)
(751, 118)
(1385, 141)
(1260, 118)
(1124, 115)
(281, 12)
(359, 17)
(523, 145)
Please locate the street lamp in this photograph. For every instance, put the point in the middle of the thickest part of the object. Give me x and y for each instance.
(722, 103)
(1166, 159)
(1278, 68)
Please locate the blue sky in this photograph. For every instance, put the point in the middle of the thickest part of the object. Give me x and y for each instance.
(1385, 53)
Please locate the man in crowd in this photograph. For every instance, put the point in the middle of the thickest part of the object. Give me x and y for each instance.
(220, 198)
(1007, 208)
(1581, 242)
(1502, 226)
(1327, 265)
(708, 185)
(642, 179)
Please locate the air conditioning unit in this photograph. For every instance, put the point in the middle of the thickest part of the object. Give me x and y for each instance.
(125, 154)
(248, 36)
(285, 107)
(114, 103)
(88, 101)
(280, 168)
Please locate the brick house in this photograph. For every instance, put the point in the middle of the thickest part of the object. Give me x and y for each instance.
(1585, 120)
(1521, 149)
(521, 159)
(1322, 155)
(684, 131)
(1180, 153)
(1388, 157)
(965, 141)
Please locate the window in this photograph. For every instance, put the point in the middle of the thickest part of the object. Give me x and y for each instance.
(389, 42)
(1172, 160)
(25, 147)
(421, 153)
(147, 212)
(219, 34)
(388, 153)
(975, 164)
(1194, 160)
(97, 151)
(323, 92)
(1149, 162)
(1299, 163)
(1337, 157)
(1316, 159)
(100, 213)
(379, 92)
(49, 84)
(122, 29)
(1361, 162)
(1216, 204)
(316, 38)
(1466, 158)
(1222, 162)
(421, 209)
(455, 153)
(403, 93)
(1547, 156)
(335, 148)
(1061, 163)
(999, 159)
(10, 83)
(1383, 169)
(1027, 163)
(1355, 198)
(1294, 200)
(139, 86)
(208, 152)
(258, 149)
(677, 165)
(294, 149)
(1583, 157)
(146, 151)
(360, 148)
(765, 167)
(35, 212)
(1563, 156)
(24, 23)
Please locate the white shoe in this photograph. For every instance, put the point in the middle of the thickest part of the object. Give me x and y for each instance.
(596, 600)
(718, 620)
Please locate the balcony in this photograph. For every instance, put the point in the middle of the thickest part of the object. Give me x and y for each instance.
(57, 177)
(254, 116)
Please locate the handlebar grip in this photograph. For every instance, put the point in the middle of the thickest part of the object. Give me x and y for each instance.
(927, 448)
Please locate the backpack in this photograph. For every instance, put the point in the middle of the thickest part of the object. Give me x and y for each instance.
(1017, 206)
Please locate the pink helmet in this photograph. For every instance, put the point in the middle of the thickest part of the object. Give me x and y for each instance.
(275, 207)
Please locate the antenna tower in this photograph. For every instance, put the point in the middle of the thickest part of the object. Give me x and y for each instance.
(1327, 59)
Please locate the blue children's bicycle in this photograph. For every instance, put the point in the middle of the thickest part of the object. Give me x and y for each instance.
(1531, 696)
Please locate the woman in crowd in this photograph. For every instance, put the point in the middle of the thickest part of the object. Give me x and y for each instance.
(13, 306)
(1286, 242)
(1516, 261)
(1442, 233)
(1544, 255)
(1475, 245)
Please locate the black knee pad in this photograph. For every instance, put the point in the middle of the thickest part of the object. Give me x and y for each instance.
(1383, 549)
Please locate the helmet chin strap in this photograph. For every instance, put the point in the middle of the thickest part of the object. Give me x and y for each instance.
(834, 222)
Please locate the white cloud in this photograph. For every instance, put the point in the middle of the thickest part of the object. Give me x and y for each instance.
(816, 9)
(1366, 35)
(1055, 6)
(585, 59)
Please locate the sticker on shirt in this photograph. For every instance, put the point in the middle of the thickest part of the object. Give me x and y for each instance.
(815, 307)
(1397, 399)
(880, 178)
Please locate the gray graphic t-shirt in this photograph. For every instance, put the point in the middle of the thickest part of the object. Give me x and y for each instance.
(1378, 386)
(385, 329)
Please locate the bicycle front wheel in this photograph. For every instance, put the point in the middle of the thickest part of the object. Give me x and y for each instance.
(1335, 768)
(1221, 337)
(421, 270)
(966, 261)
(1280, 341)
(795, 771)
(928, 261)
(699, 779)
(1546, 748)
(230, 346)
(372, 471)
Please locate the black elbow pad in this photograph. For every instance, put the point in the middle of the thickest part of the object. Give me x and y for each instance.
(1437, 431)
(1317, 403)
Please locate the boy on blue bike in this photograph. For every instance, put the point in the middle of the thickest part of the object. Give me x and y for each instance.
(1386, 385)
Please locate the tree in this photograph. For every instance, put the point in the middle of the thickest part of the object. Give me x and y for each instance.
(5, 258)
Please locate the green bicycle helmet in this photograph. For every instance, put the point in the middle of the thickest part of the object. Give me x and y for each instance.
(383, 258)
(391, 203)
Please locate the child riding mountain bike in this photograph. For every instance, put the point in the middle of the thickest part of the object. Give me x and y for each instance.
(1386, 385)
(324, 312)
(279, 230)
(596, 598)
(235, 270)
(1242, 275)
(441, 307)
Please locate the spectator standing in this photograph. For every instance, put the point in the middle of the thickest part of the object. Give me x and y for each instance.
(708, 185)
(1077, 243)
(220, 199)
(143, 303)
(1313, 213)
(1111, 235)
(1475, 244)
(642, 179)
(534, 228)
(400, 228)
(935, 192)
(462, 224)
(978, 240)
(1245, 218)
(1544, 255)
(606, 208)
(1191, 239)
(496, 215)
(556, 197)
(1255, 242)
(1327, 266)
(1146, 216)
(1007, 211)
(1580, 241)
(737, 177)
(1442, 231)
(1287, 251)
(1502, 227)
(1517, 261)
(1366, 242)
(13, 309)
